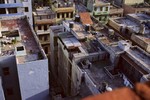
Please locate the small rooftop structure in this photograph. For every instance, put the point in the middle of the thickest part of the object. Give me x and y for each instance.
(134, 26)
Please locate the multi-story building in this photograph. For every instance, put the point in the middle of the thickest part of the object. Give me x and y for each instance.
(115, 11)
(54, 31)
(127, 2)
(136, 8)
(65, 10)
(1, 91)
(10, 8)
(23, 63)
(99, 9)
(44, 17)
(135, 27)
(74, 41)
(96, 61)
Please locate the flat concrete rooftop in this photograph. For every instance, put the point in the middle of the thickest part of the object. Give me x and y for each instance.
(43, 11)
(141, 56)
(98, 75)
(23, 43)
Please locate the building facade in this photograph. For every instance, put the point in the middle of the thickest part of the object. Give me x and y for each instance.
(44, 18)
(64, 10)
(23, 63)
(10, 8)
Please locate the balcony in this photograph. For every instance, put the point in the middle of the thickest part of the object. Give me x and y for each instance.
(12, 5)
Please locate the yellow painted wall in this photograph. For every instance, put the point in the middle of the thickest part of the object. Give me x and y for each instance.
(131, 2)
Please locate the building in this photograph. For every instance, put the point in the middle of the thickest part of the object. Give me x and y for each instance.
(74, 42)
(134, 27)
(99, 9)
(1, 91)
(136, 8)
(54, 31)
(23, 63)
(94, 59)
(115, 11)
(65, 10)
(127, 2)
(44, 17)
(10, 8)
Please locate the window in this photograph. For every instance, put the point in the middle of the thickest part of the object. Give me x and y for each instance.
(39, 27)
(106, 8)
(63, 15)
(45, 27)
(45, 38)
(46, 50)
(71, 16)
(67, 15)
(2, 11)
(12, 10)
(101, 8)
(6, 71)
(58, 15)
(20, 48)
(26, 9)
(9, 91)
(95, 8)
(2, 1)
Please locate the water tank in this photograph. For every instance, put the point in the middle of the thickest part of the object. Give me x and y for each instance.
(87, 27)
(71, 25)
(77, 18)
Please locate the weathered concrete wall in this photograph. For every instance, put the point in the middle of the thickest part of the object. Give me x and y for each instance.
(33, 80)
(10, 81)
(128, 9)
(64, 68)
(1, 91)
(76, 79)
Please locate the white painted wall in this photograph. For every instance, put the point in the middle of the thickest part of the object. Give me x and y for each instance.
(33, 79)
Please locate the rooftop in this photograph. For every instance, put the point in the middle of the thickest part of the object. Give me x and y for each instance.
(62, 3)
(85, 18)
(43, 11)
(71, 42)
(17, 38)
(141, 56)
(141, 5)
(135, 22)
(98, 75)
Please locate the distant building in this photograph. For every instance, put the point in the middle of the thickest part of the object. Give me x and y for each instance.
(24, 65)
(136, 8)
(127, 2)
(44, 17)
(95, 61)
(99, 9)
(115, 11)
(135, 27)
(65, 10)
(10, 8)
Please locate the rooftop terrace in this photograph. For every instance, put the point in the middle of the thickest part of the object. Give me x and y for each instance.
(98, 75)
(141, 56)
(63, 3)
(18, 38)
